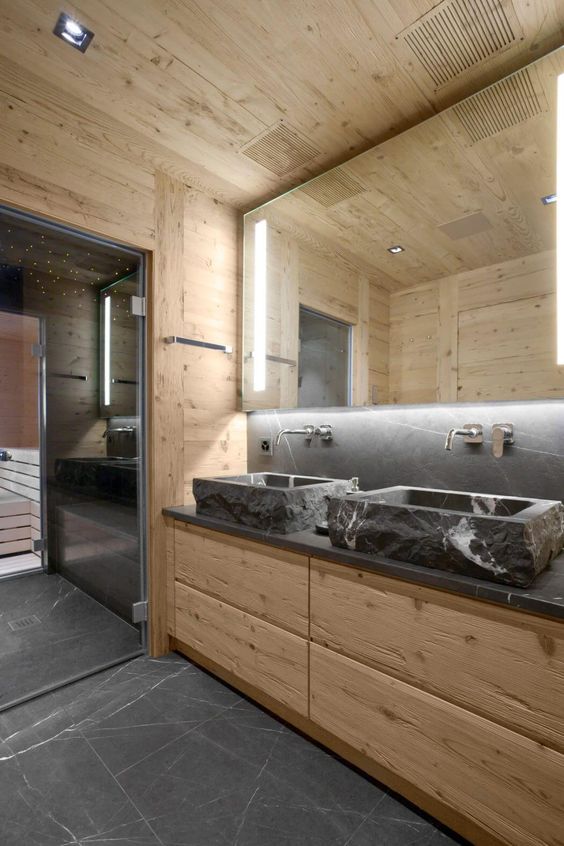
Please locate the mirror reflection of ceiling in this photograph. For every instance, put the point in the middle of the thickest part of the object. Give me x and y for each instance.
(60, 254)
(460, 191)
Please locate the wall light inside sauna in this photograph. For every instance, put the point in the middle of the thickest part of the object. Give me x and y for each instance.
(107, 347)
(560, 222)
(259, 352)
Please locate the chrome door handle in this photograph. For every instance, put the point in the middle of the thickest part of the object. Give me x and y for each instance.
(5, 455)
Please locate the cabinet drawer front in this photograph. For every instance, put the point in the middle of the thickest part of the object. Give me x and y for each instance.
(269, 583)
(271, 659)
(513, 786)
(501, 663)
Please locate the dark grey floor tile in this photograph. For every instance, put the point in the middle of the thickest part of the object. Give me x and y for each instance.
(156, 752)
(73, 635)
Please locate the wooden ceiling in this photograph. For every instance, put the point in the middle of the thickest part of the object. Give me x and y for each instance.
(458, 192)
(189, 86)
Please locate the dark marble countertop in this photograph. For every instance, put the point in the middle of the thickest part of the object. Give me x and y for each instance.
(545, 596)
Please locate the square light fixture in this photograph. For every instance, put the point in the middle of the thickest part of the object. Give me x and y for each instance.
(548, 200)
(73, 32)
(396, 249)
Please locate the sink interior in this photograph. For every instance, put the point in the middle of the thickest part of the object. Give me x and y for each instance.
(451, 501)
(273, 480)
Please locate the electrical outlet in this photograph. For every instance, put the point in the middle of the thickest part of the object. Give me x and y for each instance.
(265, 445)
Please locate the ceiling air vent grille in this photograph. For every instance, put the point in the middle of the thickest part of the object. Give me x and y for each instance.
(507, 103)
(458, 34)
(280, 149)
(332, 188)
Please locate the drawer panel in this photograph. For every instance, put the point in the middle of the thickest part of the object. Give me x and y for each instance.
(268, 583)
(504, 664)
(271, 659)
(511, 785)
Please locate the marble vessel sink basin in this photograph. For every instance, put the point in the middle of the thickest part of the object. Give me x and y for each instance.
(275, 502)
(502, 539)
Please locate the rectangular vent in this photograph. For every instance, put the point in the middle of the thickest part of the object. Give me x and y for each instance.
(458, 34)
(332, 187)
(280, 150)
(24, 623)
(507, 103)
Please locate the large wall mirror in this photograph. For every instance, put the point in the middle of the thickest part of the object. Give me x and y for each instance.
(429, 262)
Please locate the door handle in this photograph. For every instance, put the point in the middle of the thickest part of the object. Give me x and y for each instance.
(5, 455)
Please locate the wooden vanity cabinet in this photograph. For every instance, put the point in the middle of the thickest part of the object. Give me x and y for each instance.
(457, 704)
(244, 606)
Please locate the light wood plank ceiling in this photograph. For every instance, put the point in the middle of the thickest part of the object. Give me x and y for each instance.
(190, 87)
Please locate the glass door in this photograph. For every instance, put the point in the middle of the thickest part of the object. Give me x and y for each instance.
(21, 417)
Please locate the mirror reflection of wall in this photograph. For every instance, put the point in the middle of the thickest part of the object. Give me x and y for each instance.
(437, 246)
(324, 361)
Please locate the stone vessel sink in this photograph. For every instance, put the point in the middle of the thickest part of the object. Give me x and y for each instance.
(275, 502)
(502, 539)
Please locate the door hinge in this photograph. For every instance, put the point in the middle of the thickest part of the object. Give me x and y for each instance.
(138, 306)
(39, 544)
(38, 350)
(139, 612)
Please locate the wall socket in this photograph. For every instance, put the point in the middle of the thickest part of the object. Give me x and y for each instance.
(265, 445)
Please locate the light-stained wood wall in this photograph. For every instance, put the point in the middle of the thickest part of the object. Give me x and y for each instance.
(19, 381)
(110, 189)
(486, 334)
(302, 271)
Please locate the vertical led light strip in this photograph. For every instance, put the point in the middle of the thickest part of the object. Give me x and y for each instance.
(107, 348)
(560, 222)
(259, 351)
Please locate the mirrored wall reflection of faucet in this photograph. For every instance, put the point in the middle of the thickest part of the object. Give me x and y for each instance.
(471, 432)
(324, 432)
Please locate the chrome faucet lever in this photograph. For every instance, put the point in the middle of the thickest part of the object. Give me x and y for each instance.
(472, 434)
(502, 435)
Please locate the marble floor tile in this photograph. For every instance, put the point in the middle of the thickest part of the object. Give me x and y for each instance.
(156, 752)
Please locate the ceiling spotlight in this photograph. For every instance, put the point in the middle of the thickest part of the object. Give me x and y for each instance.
(395, 249)
(73, 32)
(548, 200)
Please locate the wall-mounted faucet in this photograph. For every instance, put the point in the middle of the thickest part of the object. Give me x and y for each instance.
(502, 435)
(324, 432)
(472, 434)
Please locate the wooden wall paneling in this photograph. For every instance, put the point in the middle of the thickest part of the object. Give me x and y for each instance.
(508, 351)
(289, 327)
(513, 785)
(379, 344)
(361, 345)
(413, 345)
(495, 334)
(447, 352)
(214, 433)
(164, 392)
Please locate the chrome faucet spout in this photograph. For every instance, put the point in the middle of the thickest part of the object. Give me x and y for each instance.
(307, 432)
(472, 434)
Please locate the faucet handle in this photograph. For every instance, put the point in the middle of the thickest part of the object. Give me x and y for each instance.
(502, 435)
(325, 432)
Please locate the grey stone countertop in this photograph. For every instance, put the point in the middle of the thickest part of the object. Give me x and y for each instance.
(545, 596)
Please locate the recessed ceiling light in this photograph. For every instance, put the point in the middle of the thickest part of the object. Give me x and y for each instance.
(396, 249)
(548, 200)
(73, 32)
